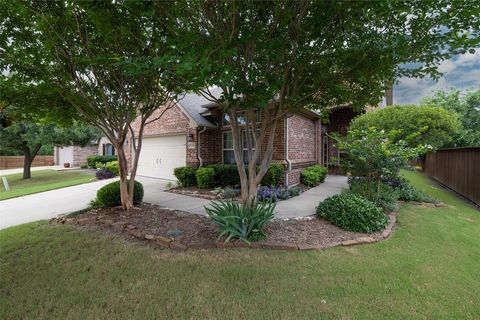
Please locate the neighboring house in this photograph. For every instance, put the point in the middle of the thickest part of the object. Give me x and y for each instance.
(74, 155)
(194, 132)
(105, 147)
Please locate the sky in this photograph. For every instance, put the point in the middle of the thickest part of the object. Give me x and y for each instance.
(460, 72)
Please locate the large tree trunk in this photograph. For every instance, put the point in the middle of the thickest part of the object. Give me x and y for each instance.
(126, 196)
(29, 156)
(251, 179)
(27, 165)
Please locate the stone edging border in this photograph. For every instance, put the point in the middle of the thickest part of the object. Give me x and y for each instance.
(170, 243)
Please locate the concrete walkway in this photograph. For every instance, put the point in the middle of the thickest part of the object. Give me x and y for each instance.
(50, 204)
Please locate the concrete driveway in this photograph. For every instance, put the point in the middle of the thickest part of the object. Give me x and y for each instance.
(50, 204)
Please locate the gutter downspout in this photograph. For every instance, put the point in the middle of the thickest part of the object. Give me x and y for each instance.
(198, 146)
(289, 163)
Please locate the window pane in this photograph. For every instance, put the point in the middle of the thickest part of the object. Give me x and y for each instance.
(227, 140)
(226, 119)
(228, 157)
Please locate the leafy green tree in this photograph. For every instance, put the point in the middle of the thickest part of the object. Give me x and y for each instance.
(27, 135)
(110, 60)
(375, 154)
(280, 56)
(467, 106)
(417, 125)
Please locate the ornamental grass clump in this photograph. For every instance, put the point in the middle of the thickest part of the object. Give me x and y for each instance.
(236, 221)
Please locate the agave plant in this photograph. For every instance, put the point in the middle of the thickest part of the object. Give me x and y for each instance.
(246, 223)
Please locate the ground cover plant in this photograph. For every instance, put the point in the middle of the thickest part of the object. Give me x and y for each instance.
(352, 212)
(427, 269)
(43, 180)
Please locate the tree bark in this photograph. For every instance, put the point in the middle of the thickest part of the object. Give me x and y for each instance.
(126, 196)
(29, 156)
(27, 165)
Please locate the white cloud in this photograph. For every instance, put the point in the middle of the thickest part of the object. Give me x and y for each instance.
(461, 72)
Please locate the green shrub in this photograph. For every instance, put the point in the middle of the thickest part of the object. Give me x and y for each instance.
(112, 166)
(246, 223)
(84, 166)
(186, 176)
(99, 165)
(313, 175)
(382, 194)
(109, 195)
(406, 191)
(273, 176)
(92, 160)
(225, 175)
(205, 178)
(352, 212)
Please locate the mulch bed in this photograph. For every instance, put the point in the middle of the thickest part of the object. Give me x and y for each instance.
(181, 230)
(208, 194)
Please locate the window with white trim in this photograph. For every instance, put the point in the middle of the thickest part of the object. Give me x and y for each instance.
(228, 154)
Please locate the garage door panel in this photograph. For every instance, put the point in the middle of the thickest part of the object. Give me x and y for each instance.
(160, 155)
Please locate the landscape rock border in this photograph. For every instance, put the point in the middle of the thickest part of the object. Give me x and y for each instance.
(170, 243)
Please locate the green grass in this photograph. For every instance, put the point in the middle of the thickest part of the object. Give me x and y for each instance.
(429, 269)
(43, 180)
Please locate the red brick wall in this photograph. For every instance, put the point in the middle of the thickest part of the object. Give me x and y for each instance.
(80, 154)
(339, 121)
(303, 145)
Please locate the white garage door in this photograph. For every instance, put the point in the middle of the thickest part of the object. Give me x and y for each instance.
(160, 155)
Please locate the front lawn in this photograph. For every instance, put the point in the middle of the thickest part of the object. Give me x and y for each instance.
(428, 269)
(43, 180)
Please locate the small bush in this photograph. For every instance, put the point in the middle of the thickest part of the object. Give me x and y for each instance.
(352, 212)
(229, 193)
(385, 196)
(273, 176)
(225, 175)
(205, 178)
(103, 174)
(186, 176)
(92, 160)
(84, 166)
(406, 191)
(313, 175)
(109, 195)
(112, 166)
(246, 223)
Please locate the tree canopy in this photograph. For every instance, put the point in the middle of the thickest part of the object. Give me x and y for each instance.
(417, 125)
(467, 106)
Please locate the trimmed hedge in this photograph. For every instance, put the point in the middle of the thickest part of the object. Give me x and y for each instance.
(92, 160)
(109, 195)
(113, 167)
(225, 175)
(314, 175)
(352, 212)
(273, 176)
(205, 178)
(186, 176)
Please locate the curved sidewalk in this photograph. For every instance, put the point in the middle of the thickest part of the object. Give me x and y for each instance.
(50, 204)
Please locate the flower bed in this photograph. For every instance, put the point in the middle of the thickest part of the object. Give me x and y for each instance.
(179, 230)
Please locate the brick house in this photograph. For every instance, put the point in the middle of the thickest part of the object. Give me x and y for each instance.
(74, 155)
(77, 156)
(193, 132)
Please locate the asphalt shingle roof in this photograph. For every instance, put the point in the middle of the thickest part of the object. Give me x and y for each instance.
(194, 104)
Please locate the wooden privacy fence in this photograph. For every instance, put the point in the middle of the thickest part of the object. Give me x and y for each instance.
(10, 162)
(458, 169)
